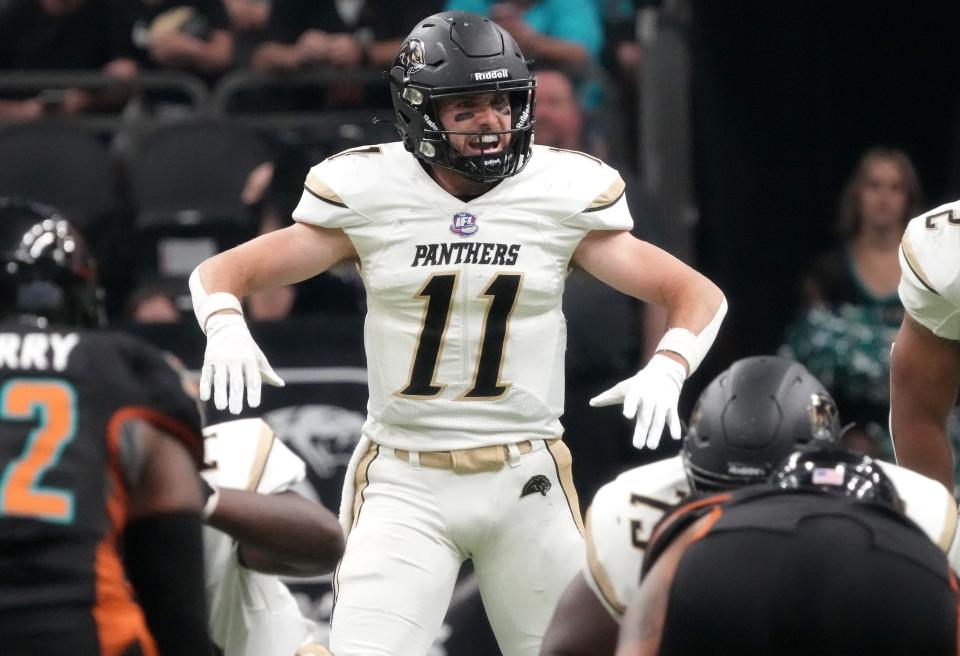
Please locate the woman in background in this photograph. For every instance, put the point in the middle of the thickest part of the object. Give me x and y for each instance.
(851, 311)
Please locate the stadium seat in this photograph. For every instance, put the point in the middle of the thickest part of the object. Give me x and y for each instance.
(60, 164)
(185, 181)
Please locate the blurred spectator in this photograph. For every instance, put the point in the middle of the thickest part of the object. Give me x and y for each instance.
(53, 35)
(271, 193)
(248, 20)
(851, 311)
(153, 303)
(622, 57)
(362, 33)
(188, 35)
(562, 33)
(347, 35)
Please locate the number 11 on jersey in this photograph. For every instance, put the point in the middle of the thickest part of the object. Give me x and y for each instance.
(502, 293)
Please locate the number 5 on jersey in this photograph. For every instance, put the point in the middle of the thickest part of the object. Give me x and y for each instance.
(438, 292)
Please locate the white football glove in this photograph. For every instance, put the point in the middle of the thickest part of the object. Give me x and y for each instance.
(233, 362)
(652, 395)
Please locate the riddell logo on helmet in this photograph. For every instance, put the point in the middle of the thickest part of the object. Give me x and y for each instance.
(740, 469)
(499, 74)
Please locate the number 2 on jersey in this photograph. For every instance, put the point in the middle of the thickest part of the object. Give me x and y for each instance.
(502, 292)
(52, 404)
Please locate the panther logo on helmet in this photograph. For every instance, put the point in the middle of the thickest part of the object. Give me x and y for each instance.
(823, 416)
(411, 57)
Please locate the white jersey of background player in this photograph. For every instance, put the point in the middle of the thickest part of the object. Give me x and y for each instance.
(728, 444)
(251, 614)
(463, 246)
(624, 512)
(925, 363)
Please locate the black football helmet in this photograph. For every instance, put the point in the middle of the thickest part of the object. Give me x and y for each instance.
(47, 273)
(454, 53)
(750, 417)
(838, 471)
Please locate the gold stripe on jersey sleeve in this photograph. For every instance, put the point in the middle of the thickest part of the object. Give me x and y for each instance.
(321, 190)
(259, 464)
(914, 262)
(609, 196)
(600, 575)
(949, 526)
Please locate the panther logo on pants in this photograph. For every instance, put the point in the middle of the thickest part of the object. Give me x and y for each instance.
(538, 483)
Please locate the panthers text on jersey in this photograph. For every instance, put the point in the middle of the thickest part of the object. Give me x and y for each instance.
(66, 398)
(464, 332)
(625, 511)
(930, 270)
(251, 614)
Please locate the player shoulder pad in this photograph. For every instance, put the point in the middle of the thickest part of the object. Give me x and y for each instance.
(930, 270)
(236, 452)
(931, 248)
(620, 520)
(162, 392)
(575, 181)
(339, 173)
(926, 502)
(363, 183)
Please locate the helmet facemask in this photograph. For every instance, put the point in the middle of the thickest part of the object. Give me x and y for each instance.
(435, 146)
(456, 53)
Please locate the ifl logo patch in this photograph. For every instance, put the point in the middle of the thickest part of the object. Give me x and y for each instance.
(464, 224)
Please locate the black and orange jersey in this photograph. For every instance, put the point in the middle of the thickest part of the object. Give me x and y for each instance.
(65, 397)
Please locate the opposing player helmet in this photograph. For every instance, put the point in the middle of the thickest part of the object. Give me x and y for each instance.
(47, 273)
(838, 471)
(750, 417)
(454, 53)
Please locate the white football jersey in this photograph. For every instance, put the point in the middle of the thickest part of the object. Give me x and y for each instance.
(625, 511)
(930, 270)
(251, 614)
(618, 526)
(464, 333)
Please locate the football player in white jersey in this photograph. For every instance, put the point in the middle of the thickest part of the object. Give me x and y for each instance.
(746, 421)
(925, 363)
(257, 527)
(464, 233)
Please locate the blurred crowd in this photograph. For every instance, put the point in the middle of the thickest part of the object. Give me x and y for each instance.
(178, 190)
(128, 69)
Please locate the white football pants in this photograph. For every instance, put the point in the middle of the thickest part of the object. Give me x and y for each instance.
(413, 526)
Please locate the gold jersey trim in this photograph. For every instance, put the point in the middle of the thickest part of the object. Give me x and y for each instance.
(609, 196)
(600, 575)
(906, 246)
(321, 190)
(259, 464)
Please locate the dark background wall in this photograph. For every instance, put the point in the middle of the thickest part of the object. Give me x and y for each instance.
(786, 96)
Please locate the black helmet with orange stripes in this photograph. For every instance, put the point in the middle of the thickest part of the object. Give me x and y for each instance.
(459, 53)
(751, 417)
(47, 272)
